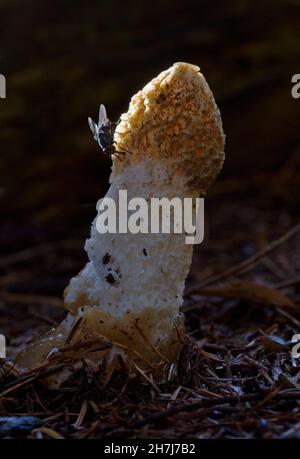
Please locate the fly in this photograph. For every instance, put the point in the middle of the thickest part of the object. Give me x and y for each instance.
(103, 133)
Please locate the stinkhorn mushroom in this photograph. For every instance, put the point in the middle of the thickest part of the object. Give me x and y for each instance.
(131, 289)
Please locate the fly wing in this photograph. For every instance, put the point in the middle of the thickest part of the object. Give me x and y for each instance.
(93, 128)
(102, 115)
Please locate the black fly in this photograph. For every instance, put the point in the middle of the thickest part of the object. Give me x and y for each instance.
(103, 133)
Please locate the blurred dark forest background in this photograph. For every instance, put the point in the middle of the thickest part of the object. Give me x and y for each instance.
(63, 58)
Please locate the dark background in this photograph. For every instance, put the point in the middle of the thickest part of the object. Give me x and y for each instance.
(63, 58)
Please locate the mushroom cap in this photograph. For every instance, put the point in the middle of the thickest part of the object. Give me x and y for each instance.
(174, 118)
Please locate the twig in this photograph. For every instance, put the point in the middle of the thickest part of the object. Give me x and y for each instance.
(31, 252)
(28, 298)
(214, 402)
(141, 372)
(246, 265)
(288, 282)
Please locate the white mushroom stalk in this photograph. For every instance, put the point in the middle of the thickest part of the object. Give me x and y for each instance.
(131, 289)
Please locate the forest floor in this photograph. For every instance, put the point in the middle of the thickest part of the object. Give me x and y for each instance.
(235, 377)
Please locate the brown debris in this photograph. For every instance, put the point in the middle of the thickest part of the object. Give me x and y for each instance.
(235, 376)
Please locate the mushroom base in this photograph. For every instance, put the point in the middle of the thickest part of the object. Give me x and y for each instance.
(146, 338)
